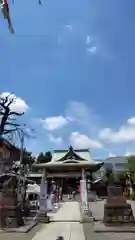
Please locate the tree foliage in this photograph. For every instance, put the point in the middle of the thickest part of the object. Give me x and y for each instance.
(28, 159)
(131, 166)
(122, 176)
(44, 157)
(108, 175)
(116, 177)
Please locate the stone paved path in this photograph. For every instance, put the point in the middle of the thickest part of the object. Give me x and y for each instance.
(70, 230)
(64, 225)
(69, 212)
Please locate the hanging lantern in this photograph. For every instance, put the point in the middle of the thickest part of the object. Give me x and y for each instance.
(5, 11)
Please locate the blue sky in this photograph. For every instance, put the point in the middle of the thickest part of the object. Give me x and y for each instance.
(72, 63)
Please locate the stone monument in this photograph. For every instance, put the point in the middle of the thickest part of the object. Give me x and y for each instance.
(116, 209)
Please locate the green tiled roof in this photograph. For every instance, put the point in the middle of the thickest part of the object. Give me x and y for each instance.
(84, 154)
(58, 155)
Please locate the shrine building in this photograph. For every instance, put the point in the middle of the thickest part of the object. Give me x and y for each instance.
(68, 167)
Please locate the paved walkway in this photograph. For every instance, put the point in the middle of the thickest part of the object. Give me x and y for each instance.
(69, 212)
(64, 225)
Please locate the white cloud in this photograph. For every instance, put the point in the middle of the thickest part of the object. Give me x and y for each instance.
(77, 111)
(125, 133)
(91, 45)
(68, 27)
(88, 40)
(53, 123)
(87, 119)
(55, 140)
(19, 105)
(128, 154)
(80, 141)
(111, 154)
(131, 121)
(92, 50)
(78, 115)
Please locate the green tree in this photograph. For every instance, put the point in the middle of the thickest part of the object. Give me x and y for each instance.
(108, 175)
(28, 159)
(48, 156)
(131, 167)
(44, 157)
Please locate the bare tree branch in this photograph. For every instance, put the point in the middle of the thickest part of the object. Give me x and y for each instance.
(15, 113)
(6, 101)
(9, 131)
(8, 124)
(12, 124)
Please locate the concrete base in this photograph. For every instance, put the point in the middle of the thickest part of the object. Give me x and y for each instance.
(64, 221)
(101, 227)
(86, 219)
(118, 213)
(86, 216)
(24, 229)
(42, 218)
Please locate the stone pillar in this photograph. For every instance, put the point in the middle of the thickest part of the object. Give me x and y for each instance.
(42, 217)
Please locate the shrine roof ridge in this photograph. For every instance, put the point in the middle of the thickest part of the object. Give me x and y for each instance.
(76, 150)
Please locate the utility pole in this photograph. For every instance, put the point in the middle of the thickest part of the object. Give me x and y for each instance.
(21, 175)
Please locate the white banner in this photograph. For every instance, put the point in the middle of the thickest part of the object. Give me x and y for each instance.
(84, 196)
(43, 196)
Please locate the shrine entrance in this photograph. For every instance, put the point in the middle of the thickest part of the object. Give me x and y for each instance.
(65, 169)
(65, 183)
(73, 183)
